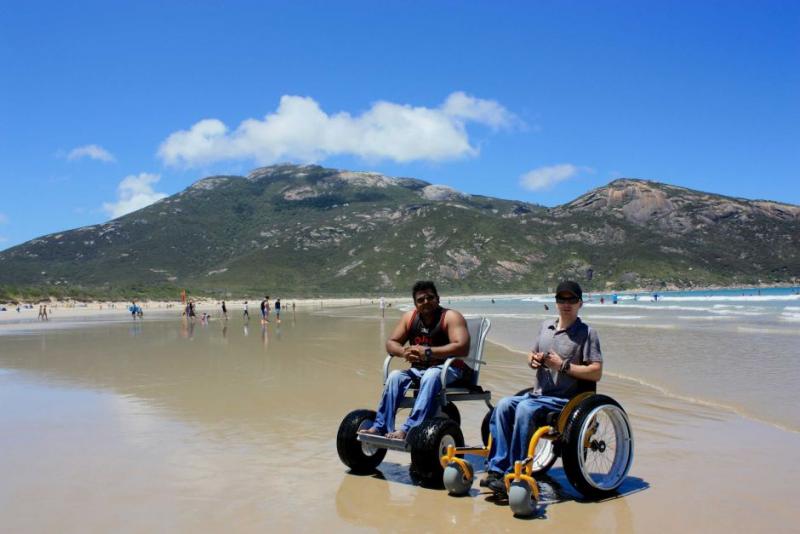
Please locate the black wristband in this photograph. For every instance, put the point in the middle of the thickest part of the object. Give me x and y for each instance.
(565, 365)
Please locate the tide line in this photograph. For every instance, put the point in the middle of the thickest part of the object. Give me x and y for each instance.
(660, 389)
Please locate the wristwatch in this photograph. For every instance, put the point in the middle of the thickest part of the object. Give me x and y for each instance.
(428, 354)
(565, 365)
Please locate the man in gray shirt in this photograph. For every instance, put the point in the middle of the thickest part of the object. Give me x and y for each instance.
(567, 360)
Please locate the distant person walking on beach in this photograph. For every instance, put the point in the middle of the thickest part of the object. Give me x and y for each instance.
(245, 313)
(382, 306)
(40, 317)
(278, 310)
(433, 334)
(567, 359)
(133, 309)
(265, 309)
(224, 310)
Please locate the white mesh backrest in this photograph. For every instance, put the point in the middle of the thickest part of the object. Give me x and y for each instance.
(477, 327)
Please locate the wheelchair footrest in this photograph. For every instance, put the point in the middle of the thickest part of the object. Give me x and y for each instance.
(383, 442)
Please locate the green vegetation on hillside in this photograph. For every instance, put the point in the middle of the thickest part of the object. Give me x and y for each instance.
(310, 231)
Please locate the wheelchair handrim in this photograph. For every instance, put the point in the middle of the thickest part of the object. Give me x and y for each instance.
(606, 469)
(543, 455)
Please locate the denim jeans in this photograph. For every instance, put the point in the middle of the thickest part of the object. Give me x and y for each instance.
(512, 425)
(424, 406)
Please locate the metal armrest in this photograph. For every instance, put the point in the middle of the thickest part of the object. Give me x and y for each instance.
(386, 363)
(443, 377)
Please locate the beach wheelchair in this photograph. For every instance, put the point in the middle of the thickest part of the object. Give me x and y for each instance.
(430, 440)
(591, 434)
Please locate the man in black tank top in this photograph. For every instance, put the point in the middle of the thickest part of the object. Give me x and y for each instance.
(433, 334)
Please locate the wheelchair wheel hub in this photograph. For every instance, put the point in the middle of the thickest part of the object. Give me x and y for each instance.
(598, 446)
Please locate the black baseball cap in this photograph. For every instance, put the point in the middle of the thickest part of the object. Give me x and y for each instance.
(568, 286)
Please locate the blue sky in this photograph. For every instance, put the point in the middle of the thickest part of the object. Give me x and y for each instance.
(108, 105)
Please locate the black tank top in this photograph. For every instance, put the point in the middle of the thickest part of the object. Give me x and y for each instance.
(419, 334)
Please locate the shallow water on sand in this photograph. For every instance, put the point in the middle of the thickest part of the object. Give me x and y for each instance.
(160, 426)
(728, 350)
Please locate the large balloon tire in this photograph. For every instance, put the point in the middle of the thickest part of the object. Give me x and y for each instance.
(359, 457)
(450, 410)
(428, 442)
(487, 419)
(455, 479)
(613, 423)
(521, 499)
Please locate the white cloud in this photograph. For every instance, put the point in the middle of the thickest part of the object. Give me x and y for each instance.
(547, 177)
(135, 192)
(462, 106)
(300, 130)
(3, 239)
(91, 151)
(3, 218)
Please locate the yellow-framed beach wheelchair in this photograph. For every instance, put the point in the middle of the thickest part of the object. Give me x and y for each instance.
(591, 434)
(428, 441)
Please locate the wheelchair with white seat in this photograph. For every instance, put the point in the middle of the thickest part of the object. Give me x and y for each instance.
(430, 440)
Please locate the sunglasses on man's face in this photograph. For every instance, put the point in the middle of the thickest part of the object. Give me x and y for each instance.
(567, 300)
(422, 299)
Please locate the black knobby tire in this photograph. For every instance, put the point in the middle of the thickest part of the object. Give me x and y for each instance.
(487, 419)
(360, 458)
(428, 443)
(452, 412)
(618, 455)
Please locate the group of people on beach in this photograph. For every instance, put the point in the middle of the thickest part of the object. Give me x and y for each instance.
(190, 311)
(565, 358)
(265, 307)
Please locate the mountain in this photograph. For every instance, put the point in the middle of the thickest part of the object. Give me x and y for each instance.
(308, 231)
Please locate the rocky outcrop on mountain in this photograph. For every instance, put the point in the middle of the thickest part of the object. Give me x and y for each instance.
(309, 230)
(677, 209)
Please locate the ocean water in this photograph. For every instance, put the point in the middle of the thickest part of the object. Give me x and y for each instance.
(735, 348)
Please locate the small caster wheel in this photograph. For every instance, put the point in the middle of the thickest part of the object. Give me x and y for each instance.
(455, 479)
(521, 499)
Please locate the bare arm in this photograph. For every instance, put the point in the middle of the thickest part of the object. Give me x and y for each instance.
(394, 345)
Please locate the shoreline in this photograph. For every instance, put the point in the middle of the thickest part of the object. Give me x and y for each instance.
(234, 304)
(173, 414)
(80, 316)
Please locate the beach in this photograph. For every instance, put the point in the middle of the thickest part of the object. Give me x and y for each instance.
(165, 425)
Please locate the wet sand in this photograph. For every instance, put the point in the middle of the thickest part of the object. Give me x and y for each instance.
(159, 426)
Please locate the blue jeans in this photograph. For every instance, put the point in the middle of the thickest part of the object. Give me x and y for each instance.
(424, 406)
(512, 425)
